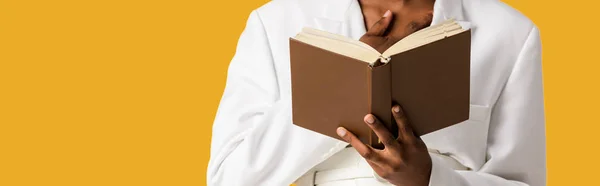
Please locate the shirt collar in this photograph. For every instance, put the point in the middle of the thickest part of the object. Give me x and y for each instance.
(448, 9)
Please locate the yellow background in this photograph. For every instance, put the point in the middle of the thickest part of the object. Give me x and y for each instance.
(124, 92)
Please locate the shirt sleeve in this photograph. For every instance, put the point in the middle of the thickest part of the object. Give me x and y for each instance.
(516, 153)
(253, 139)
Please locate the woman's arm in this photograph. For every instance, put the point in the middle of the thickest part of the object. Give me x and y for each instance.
(516, 151)
(254, 141)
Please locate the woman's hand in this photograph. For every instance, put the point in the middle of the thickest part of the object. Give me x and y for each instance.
(404, 161)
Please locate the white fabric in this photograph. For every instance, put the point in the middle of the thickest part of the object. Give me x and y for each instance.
(503, 143)
(348, 168)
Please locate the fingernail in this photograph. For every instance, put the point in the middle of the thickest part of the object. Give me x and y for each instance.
(387, 13)
(396, 109)
(370, 119)
(341, 131)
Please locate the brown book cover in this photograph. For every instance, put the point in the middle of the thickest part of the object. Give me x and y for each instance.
(430, 82)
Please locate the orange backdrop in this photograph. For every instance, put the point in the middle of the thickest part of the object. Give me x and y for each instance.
(124, 92)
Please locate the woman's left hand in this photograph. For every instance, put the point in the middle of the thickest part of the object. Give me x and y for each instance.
(404, 161)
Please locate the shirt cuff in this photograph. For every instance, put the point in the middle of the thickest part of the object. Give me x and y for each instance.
(442, 175)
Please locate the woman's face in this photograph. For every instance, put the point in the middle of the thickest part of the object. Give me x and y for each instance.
(409, 15)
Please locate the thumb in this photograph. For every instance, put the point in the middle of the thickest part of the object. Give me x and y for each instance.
(379, 28)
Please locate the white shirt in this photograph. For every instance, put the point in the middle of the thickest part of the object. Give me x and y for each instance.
(503, 143)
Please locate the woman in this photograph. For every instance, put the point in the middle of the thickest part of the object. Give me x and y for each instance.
(503, 143)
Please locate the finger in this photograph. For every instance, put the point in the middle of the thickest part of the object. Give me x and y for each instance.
(385, 136)
(374, 165)
(365, 151)
(405, 132)
(381, 26)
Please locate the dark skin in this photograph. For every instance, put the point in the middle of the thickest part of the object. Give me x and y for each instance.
(407, 17)
(404, 160)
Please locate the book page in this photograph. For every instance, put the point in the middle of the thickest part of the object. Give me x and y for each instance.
(425, 36)
(361, 51)
(339, 44)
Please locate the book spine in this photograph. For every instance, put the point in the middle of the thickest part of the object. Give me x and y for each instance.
(380, 99)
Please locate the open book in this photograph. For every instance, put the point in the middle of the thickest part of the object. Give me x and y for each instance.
(336, 80)
(361, 51)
